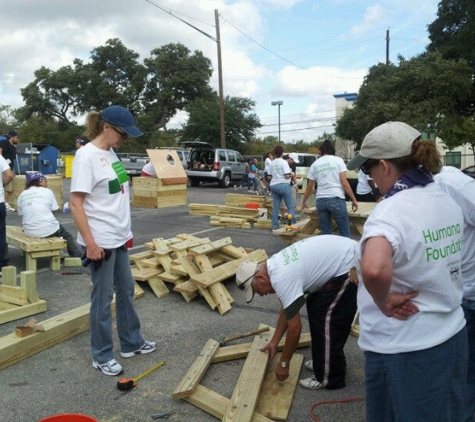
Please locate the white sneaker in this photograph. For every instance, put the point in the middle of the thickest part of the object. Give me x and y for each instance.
(8, 207)
(112, 367)
(309, 365)
(311, 383)
(147, 347)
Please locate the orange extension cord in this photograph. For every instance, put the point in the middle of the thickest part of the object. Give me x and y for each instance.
(332, 402)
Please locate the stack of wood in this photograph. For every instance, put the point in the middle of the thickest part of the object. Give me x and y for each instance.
(149, 192)
(195, 266)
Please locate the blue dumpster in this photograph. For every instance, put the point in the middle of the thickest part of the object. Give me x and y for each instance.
(36, 157)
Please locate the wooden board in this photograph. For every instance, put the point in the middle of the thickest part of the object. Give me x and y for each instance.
(246, 393)
(276, 397)
(192, 378)
(215, 404)
(166, 164)
(224, 271)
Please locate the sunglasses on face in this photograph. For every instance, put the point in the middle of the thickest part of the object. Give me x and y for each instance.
(123, 135)
(368, 165)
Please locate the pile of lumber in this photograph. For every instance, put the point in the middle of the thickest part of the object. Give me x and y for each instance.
(195, 266)
(258, 396)
(223, 211)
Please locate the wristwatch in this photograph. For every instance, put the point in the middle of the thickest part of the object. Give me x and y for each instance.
(283, 364)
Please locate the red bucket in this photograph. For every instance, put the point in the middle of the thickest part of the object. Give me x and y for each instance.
(252, 206)
(69, 417)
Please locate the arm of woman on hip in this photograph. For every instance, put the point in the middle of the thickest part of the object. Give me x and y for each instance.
(376, 271)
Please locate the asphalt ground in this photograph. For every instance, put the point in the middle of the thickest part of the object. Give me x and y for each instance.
(61, 380)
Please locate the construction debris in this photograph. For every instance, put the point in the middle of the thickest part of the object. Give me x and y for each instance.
(195, 266)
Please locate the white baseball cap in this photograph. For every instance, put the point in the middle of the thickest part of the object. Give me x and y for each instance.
(389, 140)
(294, 157)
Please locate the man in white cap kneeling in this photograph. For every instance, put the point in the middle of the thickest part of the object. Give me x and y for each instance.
(315, 272)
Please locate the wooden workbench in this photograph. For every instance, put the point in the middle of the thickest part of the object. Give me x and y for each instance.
(312, 225)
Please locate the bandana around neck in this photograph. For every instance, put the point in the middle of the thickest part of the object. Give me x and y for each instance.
(417, 177)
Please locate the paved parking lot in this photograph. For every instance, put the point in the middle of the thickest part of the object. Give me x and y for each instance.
(62, 380)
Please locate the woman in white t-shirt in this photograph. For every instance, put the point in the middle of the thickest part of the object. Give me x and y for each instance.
(412, 327)
(100, 205)
(281, 174)
(36, 205)
(328, 174)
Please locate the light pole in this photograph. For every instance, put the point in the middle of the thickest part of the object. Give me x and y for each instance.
(278, 104)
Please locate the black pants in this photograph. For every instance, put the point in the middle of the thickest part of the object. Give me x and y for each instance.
(331, 312)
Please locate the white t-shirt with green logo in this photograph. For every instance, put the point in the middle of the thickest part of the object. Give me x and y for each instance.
(102, 176)
(326, 173)
(36, 205)
(425, 228)
(307, 265)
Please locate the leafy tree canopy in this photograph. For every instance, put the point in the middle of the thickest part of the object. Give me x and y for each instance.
(417, 91)
(203, 122)
(154, 91)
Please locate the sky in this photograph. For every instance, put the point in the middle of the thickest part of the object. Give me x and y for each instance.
(300, 52)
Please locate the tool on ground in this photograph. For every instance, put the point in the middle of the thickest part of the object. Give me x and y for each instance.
(125, 384)
(238, 336)
(288, 228)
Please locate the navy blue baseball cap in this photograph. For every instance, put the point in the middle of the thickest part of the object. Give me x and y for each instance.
(121, 117)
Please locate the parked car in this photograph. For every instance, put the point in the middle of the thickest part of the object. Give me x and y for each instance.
(133, 163)
(305, 161)
(469, 171)
(210, 164)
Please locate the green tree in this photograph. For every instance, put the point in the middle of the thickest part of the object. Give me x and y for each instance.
(416, 91)
(7, 119)
(175, 79)
(452, 32)
(241, 122)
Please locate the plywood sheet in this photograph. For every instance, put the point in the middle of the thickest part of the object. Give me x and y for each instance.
(166, 163)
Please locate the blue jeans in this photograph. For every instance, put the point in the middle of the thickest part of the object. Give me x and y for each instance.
(3, 235)
(73, 249)
(281, 191)
(336, 207)
(425, 385)
(113, 276)
(468, 307)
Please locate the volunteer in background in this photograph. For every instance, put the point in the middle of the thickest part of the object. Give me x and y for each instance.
(148, 170)
(366, 190)
(36, 205)
(412, 327)
(280, 173)
(293, 160)
(315, 271)
(7, 177)
(8, 151)
(267, 162)
(79, 143)
(328, 174)
(100, 205)
(461, 189)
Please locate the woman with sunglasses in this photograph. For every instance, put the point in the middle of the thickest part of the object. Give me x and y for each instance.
(412, 327)
(100, 205)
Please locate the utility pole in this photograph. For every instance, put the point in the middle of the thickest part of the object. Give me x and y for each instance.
(220, 78)
(387, 46)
